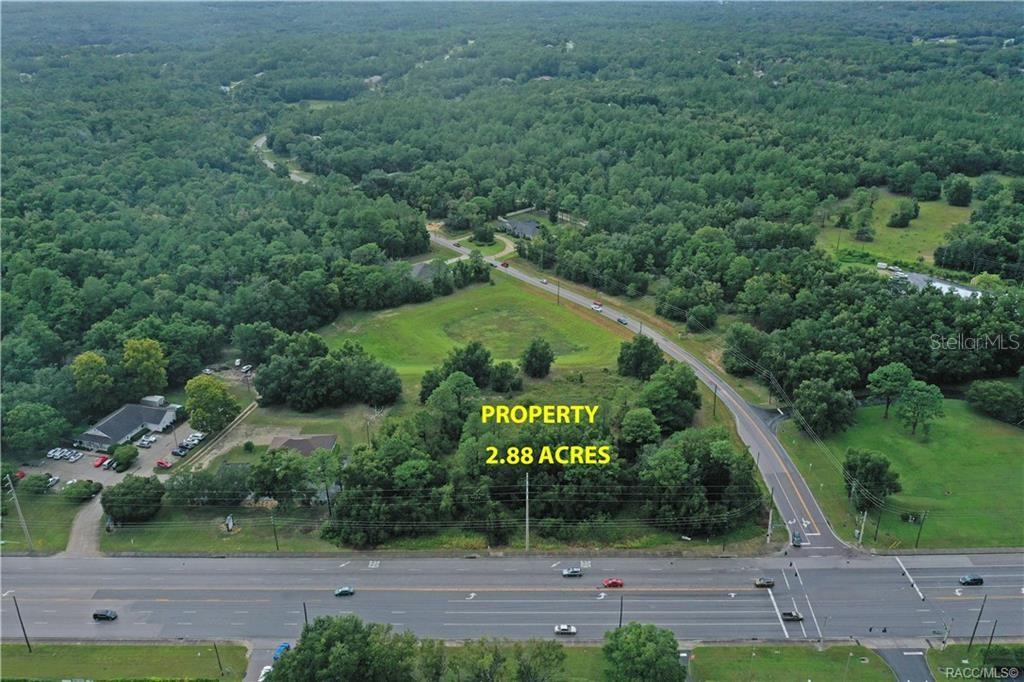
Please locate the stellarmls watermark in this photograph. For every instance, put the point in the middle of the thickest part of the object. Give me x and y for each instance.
(961, 341)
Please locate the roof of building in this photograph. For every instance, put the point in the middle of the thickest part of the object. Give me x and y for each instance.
(304, 444)
(522, 228)
(124, 422)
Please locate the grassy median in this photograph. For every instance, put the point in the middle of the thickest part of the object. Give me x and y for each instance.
(123, 661)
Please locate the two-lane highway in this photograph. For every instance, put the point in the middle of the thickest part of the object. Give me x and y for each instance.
(791, 493)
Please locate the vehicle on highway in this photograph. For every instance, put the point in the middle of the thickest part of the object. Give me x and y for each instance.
(793, 616)
(267, 669)
(281, 650)
(504, 263)
(100, 460)
(565, 629)
(613, 582)
(457, 244)
(543, 281)
(104, 614)
(574, 572)
(163, 464)
(971, 579)
(622, 320)
(597, 305)
(764, 582)
(345, 591)
(798, 539)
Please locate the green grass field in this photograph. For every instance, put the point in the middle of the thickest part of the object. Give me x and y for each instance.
(123, 661)
(967, 473)
(584, 663)
(787, 664)
(913, 243)
(955, 656)
(48, 518)
(433, 252)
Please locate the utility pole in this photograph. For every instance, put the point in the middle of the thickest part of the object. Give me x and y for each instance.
(975, 630)
(919, 529)
(20, 621)
(273, 524)
(771, 511)
(860, 535)
(878, 523)
(984, 659)
(620, 610)
(714, 410)
(558, 292)
(527, 512)
(21, 517)
(219, 664)
(305, 614)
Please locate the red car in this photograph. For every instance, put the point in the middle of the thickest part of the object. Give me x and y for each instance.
(613, 582)
(505, 264)
(163, 464)
(100, 460)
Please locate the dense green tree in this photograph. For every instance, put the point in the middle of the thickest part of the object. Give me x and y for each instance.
(145, 367)
(823, 408)
(904, 177)
(906, 210)
(918, 405)
(34, 484)
(210, 404)
(869, 478)
(672, 396)
(888, 382)
(537, 358)
(281, 475)
(135, 498)
(80, 491)
(743, 348)
(927, 187)
(31, 428)
(639, 428)
(94, 381)
(998, 399)
(640, 357)
(124, 456)
(254, 340)
(641, 651)
(957, 190)
(505, 377)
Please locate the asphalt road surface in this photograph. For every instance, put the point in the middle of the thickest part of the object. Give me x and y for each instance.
(791, 493)
(698, 599)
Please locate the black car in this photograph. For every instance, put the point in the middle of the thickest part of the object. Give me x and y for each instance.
(104, 614)
(972, 579)
(798, 539)
(179, 452)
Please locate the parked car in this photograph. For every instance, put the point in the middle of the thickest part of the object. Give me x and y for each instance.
(246, 369)
(565, 629)
(100, 461)
(798, 539)
(238, 362)
(75, 457)
(281, 650)
(179, 452)
(53, 453)
(345, 591)
(54, 480)
(972, 579)
(267, 669)
(104, 614)
(207, 371)
(163, 464)
(199, 435)
(109, 464)
(764, 582)
(613, 582)
(574, 572)
(622, 320)
(792, 616)
(597, 305)
(144, 444)
(504, 264)
(543, 281)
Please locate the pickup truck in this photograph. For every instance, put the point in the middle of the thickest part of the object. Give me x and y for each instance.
(795, 616)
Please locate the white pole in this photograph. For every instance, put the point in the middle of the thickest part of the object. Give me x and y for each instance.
(527, 511)
(21, 517)
(860, 536)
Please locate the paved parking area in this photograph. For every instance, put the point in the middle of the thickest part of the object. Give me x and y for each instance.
(144, 466)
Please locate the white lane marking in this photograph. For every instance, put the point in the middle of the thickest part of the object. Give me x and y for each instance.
(188, 611)
(184, 623)
(39, 622)
(414, 570)
(472, 595)
(813, 617)
(138, 623)
(318, 570)
(555, 564)
(796, 610)
(602, 596)
(291, 624)
(238, 623)
(398, 613)
(777, 613)
(49, 611)
(797, 571)
(958, 592)
(912, 583)
(657, 569)
(295, 612)
(786, 578)
(373, 564)
(344, 564)
(239, 612)
(913, 653)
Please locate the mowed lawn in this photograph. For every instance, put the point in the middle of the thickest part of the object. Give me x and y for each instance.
(505, 317)
(123, 661)
(919, 240)
(955, 656)
(787, 664)
(967, 473)
(48, 517)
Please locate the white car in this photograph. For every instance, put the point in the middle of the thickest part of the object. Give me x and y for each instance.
(246, 369)
(54, 480)
(207, 371)
(52, 454)
(267, 669)
(75, 457)
(565, 629)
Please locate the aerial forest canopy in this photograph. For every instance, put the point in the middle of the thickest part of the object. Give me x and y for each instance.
(698, 149)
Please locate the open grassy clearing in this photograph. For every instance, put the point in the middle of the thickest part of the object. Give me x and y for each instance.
(910, 244)
(433, 253)
(584, 663)
(967, 473)
(48, 518)
(787, 664)
(955, 656)
(123, 661)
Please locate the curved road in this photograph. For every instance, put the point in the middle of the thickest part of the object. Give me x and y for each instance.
(792, 496)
